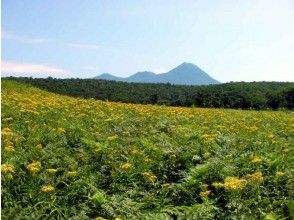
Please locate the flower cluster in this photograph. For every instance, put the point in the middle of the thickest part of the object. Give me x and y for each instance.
(256, 159)
(205, 193)
(72, 173)
(51, 171)
(234, 183)
(48, 189)
(256, 177)
(34, 167)
(126, 166)
(7, 168)
(149, 176)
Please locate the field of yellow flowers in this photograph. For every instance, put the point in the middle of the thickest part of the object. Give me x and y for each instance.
(73, 158)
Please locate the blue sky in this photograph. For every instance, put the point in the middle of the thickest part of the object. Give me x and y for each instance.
(232, 40)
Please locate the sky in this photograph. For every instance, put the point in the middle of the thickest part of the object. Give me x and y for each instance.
(232, 40)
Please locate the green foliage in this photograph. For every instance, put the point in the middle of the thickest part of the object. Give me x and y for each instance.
(239, 95)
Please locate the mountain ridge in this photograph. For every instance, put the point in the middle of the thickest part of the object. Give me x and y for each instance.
(184, 74)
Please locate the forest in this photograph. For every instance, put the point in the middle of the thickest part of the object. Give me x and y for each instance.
(238, 95)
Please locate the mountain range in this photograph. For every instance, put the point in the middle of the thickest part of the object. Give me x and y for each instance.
(184, 74)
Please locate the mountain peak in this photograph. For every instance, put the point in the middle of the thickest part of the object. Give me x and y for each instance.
(188, 65)
(184, 74)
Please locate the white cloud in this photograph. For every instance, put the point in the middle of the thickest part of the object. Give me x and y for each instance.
(85, 46)
(23, 39)
(13, 68)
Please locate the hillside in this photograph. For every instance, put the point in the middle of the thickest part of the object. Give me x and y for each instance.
(184, 74)
(74, 158)
(239, 95)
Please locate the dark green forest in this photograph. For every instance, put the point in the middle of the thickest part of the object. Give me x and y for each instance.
(239, 95)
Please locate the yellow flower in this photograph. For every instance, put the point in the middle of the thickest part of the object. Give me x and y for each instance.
(255, 177)
(112, 138)
(9, 148)
(97, 133)
(127, 133)
(47, 189)
(173, 156)
(286, 150)
(147, 160)
(7, 168)
(51, 171)
(206, 155)
(39, 146)
(217, 185)
(205, 193)
(279, 174)
(165, 185)
(61, 130)
(234, 183)
(126, 166)
(34, 167)
(6, 132)
(256, 159)
(7, 119)
(149, 176)
(72, 173)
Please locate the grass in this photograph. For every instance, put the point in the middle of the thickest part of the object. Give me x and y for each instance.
(71, 158)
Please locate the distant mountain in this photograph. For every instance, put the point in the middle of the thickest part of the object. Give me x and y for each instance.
(184, 74)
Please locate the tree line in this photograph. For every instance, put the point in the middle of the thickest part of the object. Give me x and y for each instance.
(239, 95)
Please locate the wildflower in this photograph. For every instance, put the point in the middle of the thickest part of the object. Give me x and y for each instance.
(82, 157)
(61, 130)
(279, 174)
(173, 156)
(149, 176)
(51, 171)
(6, 132)
(233, 183)
(112, 138)
(127, 133)
(9, 148)
(39, 146)
(19, 139)
(7, 119)
(7, 168)
(72, 173)
(165, 185)
(47, 189)
(253, 128)
(256, 159)
(147, 160)
(217, 185)
(135, 151)
(205, 193)
(126, 166)
(34, 167)
(206, 155)
(255, 177)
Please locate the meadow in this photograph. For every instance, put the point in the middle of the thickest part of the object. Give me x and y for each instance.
(74, 158)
